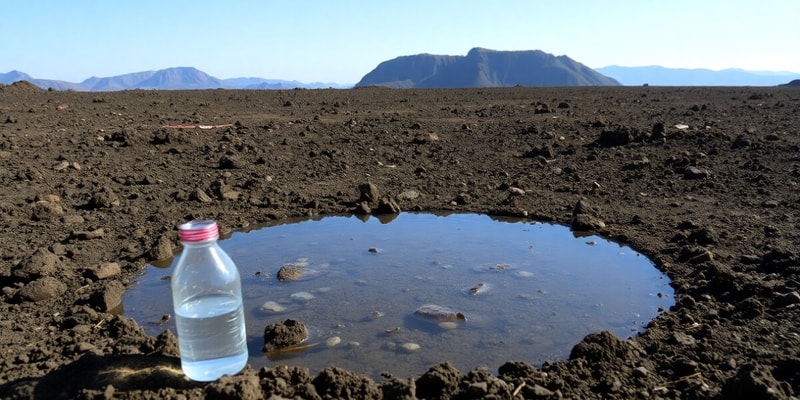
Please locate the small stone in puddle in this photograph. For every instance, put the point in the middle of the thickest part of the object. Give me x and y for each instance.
(448, 325)
(410, 347)
(291, 272)
(273, 306)
(439, 313)
(478, 289)
(302, 296)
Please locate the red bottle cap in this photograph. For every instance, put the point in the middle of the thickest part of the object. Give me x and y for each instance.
(199, 231)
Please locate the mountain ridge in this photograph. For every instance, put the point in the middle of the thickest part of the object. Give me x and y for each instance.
(423, 67)
(662, 76)
(174, 78)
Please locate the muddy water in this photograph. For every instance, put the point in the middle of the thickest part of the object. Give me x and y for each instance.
(528, 291)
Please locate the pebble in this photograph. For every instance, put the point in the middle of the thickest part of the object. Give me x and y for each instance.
(410, 347)
(693, 172)
(50, 198)
(72, 219)
(89, 235)
(333, 341)
(64, 164)
(291, 272)
(408, 195)
(376, 314)
(272, 306)
(640, 372)
(750, 259)
(448, 325)
(106, 270)
(478, 289)
(788, 299)
(516, 191)
(683, 339)
(302, 296)
(83, 347)
(201, 196)
(524, 274)
(540, 391)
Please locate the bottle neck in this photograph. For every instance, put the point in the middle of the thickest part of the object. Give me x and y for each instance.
(202, 243)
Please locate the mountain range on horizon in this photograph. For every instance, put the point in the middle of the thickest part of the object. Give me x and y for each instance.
(655, 75)
(479, 68)
(176, 78)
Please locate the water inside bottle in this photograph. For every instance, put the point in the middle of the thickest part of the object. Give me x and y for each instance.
(211, 336)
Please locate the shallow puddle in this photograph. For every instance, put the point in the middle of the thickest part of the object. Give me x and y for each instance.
(526, 291)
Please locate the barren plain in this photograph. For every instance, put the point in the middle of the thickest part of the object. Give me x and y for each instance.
(702, 180)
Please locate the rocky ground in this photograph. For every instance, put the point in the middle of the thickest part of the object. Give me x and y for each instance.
(703, 180)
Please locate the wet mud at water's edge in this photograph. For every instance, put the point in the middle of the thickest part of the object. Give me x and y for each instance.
(702, 180)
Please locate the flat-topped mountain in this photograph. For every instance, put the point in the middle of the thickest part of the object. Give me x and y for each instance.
(484, 68)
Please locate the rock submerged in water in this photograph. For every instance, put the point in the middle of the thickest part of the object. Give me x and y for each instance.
(436, 313)
(479, 288)
(284, 334)
(291, 272)
(273, 307)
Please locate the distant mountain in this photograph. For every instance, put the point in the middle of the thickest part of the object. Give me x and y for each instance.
(16, 76)
(794, 83)
(484, 68)
(661, 76)
(119, 82)
(178, 78)
(261, 83)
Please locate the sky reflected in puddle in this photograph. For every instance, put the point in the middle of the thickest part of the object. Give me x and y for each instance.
(528, 291)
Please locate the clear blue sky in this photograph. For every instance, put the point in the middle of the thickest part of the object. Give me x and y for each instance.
(342, 40)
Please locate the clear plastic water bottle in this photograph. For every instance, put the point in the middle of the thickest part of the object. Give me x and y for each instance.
(207, 298)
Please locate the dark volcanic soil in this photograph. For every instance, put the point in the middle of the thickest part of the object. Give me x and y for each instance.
(703, 180)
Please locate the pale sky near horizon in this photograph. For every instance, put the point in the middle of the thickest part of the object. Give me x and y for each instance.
(341, 41)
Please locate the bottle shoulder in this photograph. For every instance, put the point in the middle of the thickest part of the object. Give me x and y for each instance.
(205, 261)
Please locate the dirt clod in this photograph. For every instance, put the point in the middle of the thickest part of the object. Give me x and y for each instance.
(284, 334)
